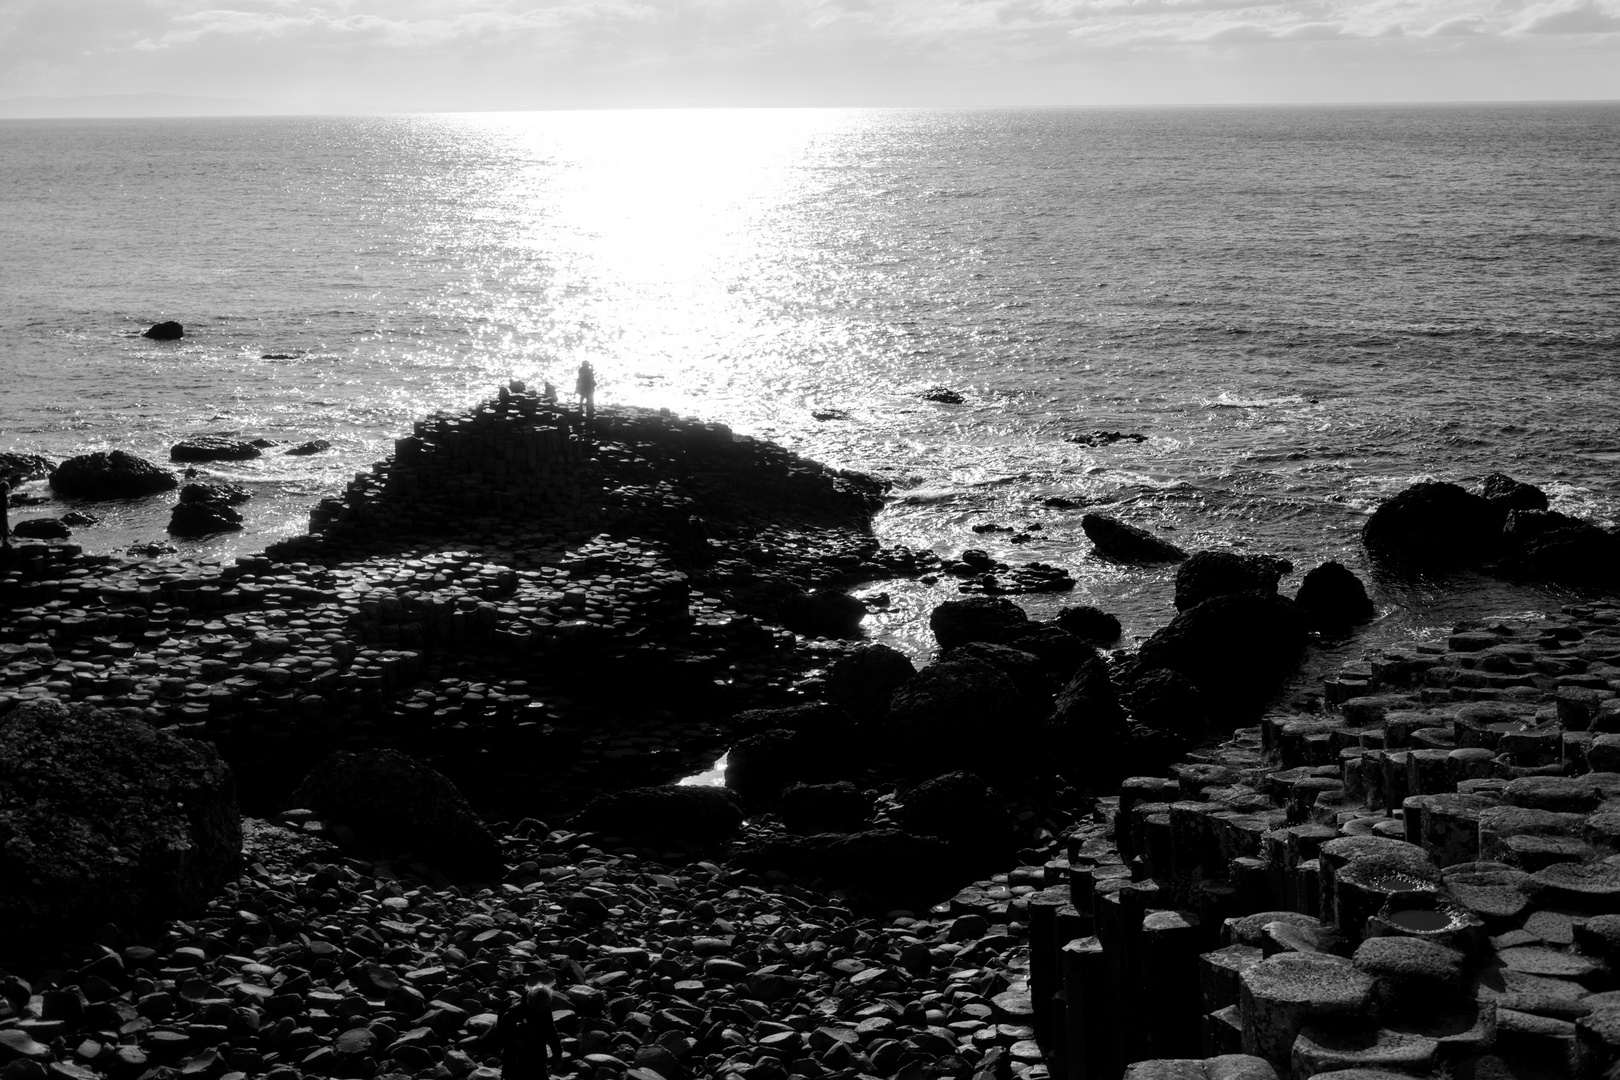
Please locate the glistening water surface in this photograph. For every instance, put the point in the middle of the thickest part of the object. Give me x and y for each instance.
(1303, 310)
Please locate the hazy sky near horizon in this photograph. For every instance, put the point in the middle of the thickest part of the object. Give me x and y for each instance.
(494, 54)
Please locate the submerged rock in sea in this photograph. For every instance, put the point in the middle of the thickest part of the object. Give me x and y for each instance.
(1115, 539)
(194, 519)
(1505, 493)
(941, 395)
(213, 448)
(313, 446)
(165, 331)
(1089, 624)
(1106, 438)
(214, 493)
(106, 819)
(110, 474)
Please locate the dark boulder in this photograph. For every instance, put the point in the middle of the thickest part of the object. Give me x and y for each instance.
(760, 766)
(880, 867)
(977, 618)
(106, 819)
(669, 813)
(956, 713)
(110, 474)
(1432, 523)
(1556, 547)
(19, 468)
(1237, 649)
(818, 808)
(78, 519)
(1086, 724)
(214, 493)
(820, 745)
(165, 331)
(1089, 624)
(1060, 652)
(964, 811)
(1025, 670)
(304, 449)
(1216, 573)
(829, 613)
(1116, 540)
(1332, 598)
(213, 448)
(1166, 700)
(193, 519)
(41, 528)
(941, 395)
(863, 679)
(396, 803)
(813, 716)
(1504, 493)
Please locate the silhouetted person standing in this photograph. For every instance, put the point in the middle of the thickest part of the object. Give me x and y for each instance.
(525, 1032)
(585, 387)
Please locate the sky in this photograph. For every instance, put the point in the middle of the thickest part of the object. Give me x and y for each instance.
(445, 55)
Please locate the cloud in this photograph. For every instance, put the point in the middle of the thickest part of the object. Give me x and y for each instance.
(1583, 17)
(1461, 26)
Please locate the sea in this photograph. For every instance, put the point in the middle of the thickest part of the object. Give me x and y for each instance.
(1300, 311)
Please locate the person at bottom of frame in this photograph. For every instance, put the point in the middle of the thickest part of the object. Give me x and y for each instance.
(524, 1033)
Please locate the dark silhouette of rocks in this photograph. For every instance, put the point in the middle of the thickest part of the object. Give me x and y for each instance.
(700, 816)
(1237, 649)
(110, 474)
(18, 468)
(198, 518)
(1086, 724)
(1431, 523)
(313, 446)
(1332, 598)
(863, 680)
(1504, 493)
(838, 807)
(939, 714)
(213, 448)
(397, 804)
(41, 528)
(967, 813)
(941, 395)
(1106, 438)
(1127, 543)
(882, 866)
(988, 619)
(1167, 700)
(1217, 573)
(1089, 624)
(165, 331)
(104, 818)
(232, 494)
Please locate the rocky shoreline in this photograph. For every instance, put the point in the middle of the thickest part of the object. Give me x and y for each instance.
(544, 610)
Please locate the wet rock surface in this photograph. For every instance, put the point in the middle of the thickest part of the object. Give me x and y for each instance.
(213, 448)
(110, 474)
(1127, 543)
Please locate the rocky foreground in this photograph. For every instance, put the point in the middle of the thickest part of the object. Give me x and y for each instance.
(543, 620)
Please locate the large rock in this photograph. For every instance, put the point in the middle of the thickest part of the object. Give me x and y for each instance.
(1216, 573)
(964, 811)
(1089, 624)
(864, 679)
(882, 867)
(106, 819)
(212, 448)
(193, 519)
(993, 619)
(215, 493)
(165, 331)
(955, 713)
(1236, 649)
(1432, 523)
(759, 767)
(1504, 493)
(1086, 728)
(1024, 669)
(395, 802)
(1167, 700)
(1332, 598)
(1553, 546)
(41, 528)
(110, 474)
(817, 808)
(304, 449)
(829, 613)
(668, 813)
(18, 468)
(1126, 543)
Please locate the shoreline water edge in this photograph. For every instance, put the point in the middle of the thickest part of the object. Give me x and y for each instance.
(315, 812)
